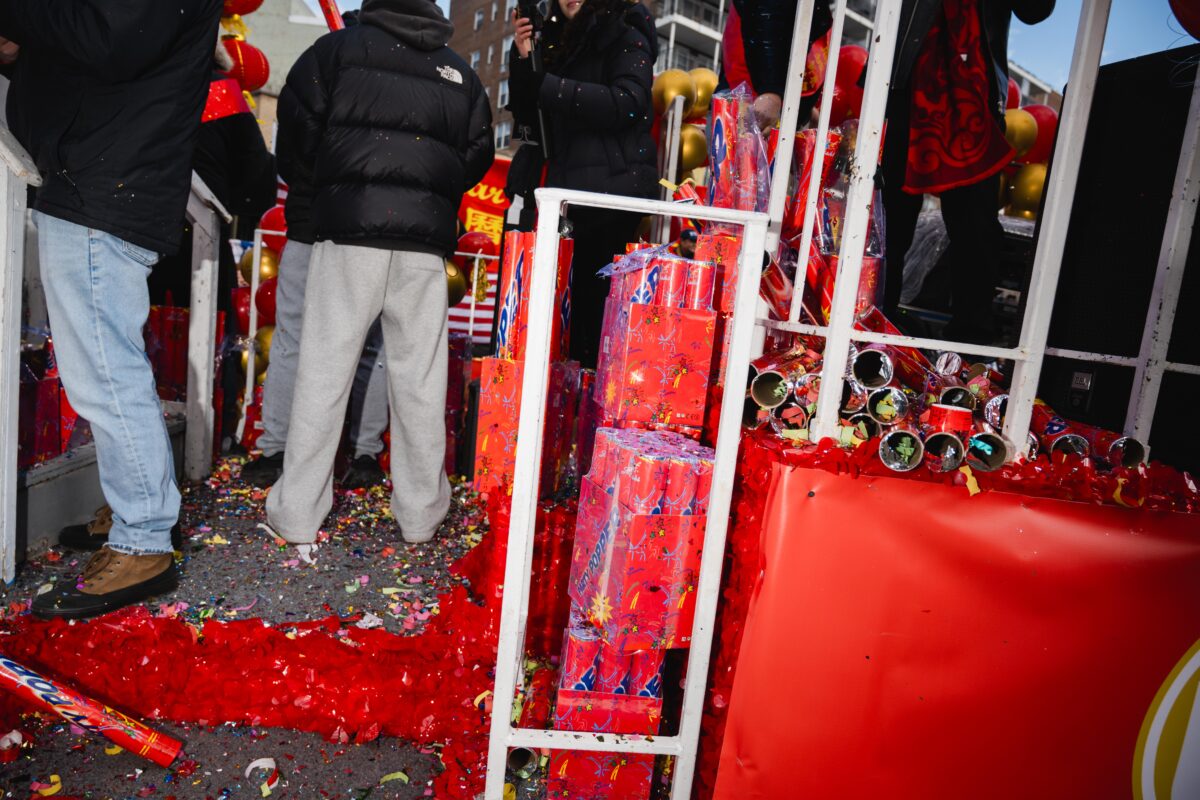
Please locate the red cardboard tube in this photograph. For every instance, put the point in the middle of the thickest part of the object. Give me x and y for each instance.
(333, 17)
(88, 714)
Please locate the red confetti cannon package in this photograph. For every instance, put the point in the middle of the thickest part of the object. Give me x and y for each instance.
(499, 415)
(655, 360)
(638, 536)
(512, 326)
(739, 175)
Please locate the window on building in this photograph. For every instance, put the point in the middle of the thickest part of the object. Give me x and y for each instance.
(502, 94)
(479, 19)
(494, 10)
(503, 135)
(505, 49)
(474, 59)
(509, 5)
(491, 51)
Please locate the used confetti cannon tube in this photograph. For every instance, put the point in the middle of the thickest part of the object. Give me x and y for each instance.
(1054, 434)
(88, 714)
(987, 451)
(901, 450)
(873, 367)
(1117, 450)
(888, 405)
(774, 375)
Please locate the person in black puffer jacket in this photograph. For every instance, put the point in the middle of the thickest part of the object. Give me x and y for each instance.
(394, 128)
(595, 97)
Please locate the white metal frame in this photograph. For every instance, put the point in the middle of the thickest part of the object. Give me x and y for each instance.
(252, 326)
(551, 205)
(19, 174)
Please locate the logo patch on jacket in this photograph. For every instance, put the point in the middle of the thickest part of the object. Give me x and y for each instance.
(450, 74)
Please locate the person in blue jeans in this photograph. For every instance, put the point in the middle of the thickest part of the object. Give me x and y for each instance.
(106, 96)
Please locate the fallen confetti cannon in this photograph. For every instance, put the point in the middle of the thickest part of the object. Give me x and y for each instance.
(92, 716)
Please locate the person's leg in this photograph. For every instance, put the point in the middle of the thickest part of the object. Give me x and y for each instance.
(369, 400)
(599, 235)
(344, 294)
(976, 238)
(285, 347)
(901, 209)
(416, 341)
(98, 302)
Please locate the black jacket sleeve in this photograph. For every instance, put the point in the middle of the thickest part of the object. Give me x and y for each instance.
(481, 148)
(116, 39)
(523, 87)
(252, 167)
(303, 106)
(623, 100)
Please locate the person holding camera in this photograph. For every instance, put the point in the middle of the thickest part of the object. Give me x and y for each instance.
(593, 95)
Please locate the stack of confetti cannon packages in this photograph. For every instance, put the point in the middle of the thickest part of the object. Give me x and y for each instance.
(500, 376)
(656, 342)
(634, 567)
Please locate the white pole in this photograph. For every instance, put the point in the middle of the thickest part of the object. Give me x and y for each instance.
(708, 588)
(672, 138)
(526, 471)
(252, 329)
(202, 337)
(1056, 217)
(813, 190)
(858, 210)
(1172, 258)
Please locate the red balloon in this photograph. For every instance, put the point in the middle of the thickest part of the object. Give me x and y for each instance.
(274, 220)
(847, 94)
(250, 67)
(242, 7)
(474, 242)
(1047, 125)
(265, 300)
(241, 307)
(1188, 14)
(1014, 95)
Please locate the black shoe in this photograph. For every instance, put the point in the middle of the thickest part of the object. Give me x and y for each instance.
(364, 472)
(94, 534)
(263, 471)
(110, 581)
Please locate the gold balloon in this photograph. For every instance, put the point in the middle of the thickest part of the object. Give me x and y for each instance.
(1027, 188)
(263, 338)
(1002, 198)
(644, 229)
(268, 265)
(705, 81)
(456, 283)
(693, 148)
(260, 363)
(671, 84)
(1012, 212)
(1020, 128)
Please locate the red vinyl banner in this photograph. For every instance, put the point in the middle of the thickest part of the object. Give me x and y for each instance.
(910, 641)
(483, 209)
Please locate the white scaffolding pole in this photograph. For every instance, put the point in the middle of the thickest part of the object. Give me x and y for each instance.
(522, 519)
(1056, 218)
(1164, 298)
(858, 211)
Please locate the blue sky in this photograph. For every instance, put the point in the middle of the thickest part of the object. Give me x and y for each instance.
(1135, 27)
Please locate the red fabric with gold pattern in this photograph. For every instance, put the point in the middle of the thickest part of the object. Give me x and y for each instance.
(954, 139)
(225, 99)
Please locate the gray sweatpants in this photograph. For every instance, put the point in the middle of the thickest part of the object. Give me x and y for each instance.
(368, 407)
(348, 287)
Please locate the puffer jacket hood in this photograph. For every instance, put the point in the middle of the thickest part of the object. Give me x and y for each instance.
(417, 23)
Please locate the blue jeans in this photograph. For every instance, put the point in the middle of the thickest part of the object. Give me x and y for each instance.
(97, 300)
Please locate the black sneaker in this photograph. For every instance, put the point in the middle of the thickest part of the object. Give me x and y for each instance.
(109, 581)
(263, 471)
(94, 534)
(364, 472)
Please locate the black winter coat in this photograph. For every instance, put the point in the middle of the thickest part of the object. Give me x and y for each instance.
(392, 126)
(596, 100)
(106, 96)
(916, 17)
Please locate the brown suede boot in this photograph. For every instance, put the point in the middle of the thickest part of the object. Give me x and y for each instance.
(109, 581)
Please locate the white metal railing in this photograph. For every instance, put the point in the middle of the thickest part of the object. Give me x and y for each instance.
(1060, 190)
(19, 174)
(551, 205)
